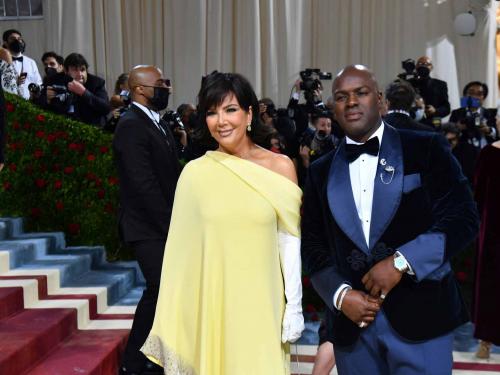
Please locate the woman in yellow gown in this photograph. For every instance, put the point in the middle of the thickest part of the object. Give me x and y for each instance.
(230, 293)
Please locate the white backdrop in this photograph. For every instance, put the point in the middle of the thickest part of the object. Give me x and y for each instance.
(269, 41)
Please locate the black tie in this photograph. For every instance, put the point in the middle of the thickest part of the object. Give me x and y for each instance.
(20, 58)
(353, 151)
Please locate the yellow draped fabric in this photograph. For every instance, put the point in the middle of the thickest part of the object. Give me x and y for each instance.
(221, 300)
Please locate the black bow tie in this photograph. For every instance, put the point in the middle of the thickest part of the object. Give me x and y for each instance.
(353, 151)
(20, 58)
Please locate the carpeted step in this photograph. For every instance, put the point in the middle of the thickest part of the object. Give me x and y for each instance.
(118, 282)
(86, 352)
(31, 334)
(11, 301)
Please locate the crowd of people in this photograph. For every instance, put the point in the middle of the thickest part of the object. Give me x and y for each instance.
(376, 277)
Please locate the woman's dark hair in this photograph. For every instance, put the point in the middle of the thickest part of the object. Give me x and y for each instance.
(214, 89)
(122, 78)
(476, 83)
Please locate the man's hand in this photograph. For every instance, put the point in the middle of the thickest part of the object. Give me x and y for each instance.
(485, 129)
(381, 278)
(360, 307)
(51, 94)
(21, 79)
(429, 110)
(297, 85)
(76, 87)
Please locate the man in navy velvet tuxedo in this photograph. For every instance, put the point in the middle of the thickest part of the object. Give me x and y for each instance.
(382, 216)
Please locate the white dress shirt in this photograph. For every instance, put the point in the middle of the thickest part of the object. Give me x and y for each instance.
(28, 65)
(362, 172)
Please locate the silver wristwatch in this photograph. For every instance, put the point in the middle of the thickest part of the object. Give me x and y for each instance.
(400, 263)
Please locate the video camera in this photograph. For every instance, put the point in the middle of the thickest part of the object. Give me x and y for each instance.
(311, 81)
(173, 120)
(409, 68)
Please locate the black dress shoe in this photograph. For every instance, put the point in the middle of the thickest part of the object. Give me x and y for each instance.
(151, 368)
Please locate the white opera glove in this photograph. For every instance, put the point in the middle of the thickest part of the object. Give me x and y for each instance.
(293, 320)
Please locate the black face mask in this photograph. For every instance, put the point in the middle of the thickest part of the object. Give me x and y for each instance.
(159, 100)
(423, 72)
(17, 46)
(49, 71)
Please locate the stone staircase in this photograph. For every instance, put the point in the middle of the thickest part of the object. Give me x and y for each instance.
(63, 310)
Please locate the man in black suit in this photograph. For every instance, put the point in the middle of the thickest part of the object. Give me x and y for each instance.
(400, 97)
(478, 124)
(148, 169)
(382, 216)
(433, 91)
(88, 100)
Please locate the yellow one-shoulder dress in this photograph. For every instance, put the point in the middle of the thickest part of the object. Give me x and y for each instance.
(221, 299)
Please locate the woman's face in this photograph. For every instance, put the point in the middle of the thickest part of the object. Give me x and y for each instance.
(228, 122)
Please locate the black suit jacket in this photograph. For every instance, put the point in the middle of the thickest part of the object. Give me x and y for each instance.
(435, 93)
(91, 108)
(425, 210)
(402, 121)
(148, 169)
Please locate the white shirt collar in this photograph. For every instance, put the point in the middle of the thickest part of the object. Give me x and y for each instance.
(153, 115)
(378, 133)
(399, 111)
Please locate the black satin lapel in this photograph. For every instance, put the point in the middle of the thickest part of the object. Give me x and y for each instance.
(341, 200)
(388, 187)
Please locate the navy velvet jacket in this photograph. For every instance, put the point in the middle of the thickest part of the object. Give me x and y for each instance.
(422, 207)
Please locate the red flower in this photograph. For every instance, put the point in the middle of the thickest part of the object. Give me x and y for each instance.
(57, 184)
(73, 146)
(59, 206)
(7, 185)
(10, 107)
(36, 212)
(461, 276)
(69, 169)
(112, 180)
(40, 183)
(74, 228)
(13, 167)
(12, 146)
(90, 157)
(62, 134)
(40, 134)
(306, 282)
(16, 125)
(27, 126)
(19, 146)
(104, 149)
(90, 176)
(109, 208)
(38, 153)
(98, 182)
(40, 118)
(51, 138)
(100, 194)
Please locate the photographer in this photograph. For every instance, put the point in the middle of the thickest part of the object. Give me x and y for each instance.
(279, 120)
(433, 91)
(119, 101)
(318, 142)
(476, 122)
(310, 85)
(77, 93)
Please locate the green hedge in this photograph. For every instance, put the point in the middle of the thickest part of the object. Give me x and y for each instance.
(59, 174)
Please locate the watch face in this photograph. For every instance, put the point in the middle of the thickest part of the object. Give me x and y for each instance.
(400, 264)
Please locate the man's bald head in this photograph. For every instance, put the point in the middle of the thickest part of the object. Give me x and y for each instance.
(424, 61)
(357, 70)
(142, 80)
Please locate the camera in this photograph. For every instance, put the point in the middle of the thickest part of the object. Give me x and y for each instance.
(311, 81)
(173, 120)
(410, 72)
(471, 119)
